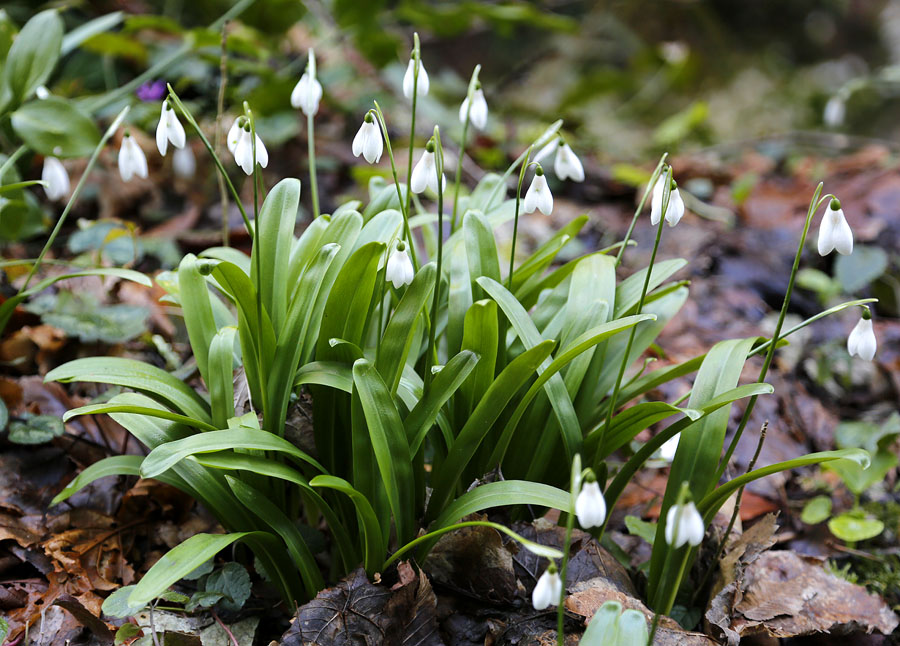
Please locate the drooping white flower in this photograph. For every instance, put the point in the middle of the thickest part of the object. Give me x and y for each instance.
(243, 152)
(234, 133)
(548, 589)
(56, 178)
(668, 449)
(835, 111)
(538, 195)
(834, 232)
(675, 209)
(399, 270)
(132, 160)
(684, 525)
(184, 163)
(168, 129)
(590, 507)
(41, 92)
(567, 165)
(308, 91)
(861, 341)
(367, 141)
(478, 114)
(424, 174)
(409, 79)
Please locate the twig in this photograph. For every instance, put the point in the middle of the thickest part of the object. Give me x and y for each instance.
(225, 628)
(153, 627)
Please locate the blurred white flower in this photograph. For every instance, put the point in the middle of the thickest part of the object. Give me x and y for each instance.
(567, 165)
(367, 141)
(675, 208)
(56, 177)
(41, 92)
(668, 449)
(479, 112)
(184, 163)
(308, 91)
(132, 160)
(410, 76)
(243, 152)
(548, 589)
(168, 129)
(538, 195)
(861, 341)
(835, 111)
(590, 507)
(424, 174)
(684, 525)
(399, 270)
(834, 232)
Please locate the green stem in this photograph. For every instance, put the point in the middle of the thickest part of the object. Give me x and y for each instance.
(813, 206)
(640, 207)
(462, 145)
(560, 608)
(313, 179)
(220, 109)
(412, 131)
(512, 252)
(432, 328)
(12, 159)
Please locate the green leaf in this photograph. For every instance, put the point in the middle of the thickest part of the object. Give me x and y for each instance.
(32, 57)
(35, 429)
(859, 478)
(123, 634)
(639, 527)
(816, 510)
(852, 526)
(112, 466)
(197, 311)
(4, 415)
(632, 629)
(54, 126)
(326, 373)
(91, 28)
(220, 372)
(233, 583)
(117, 604)
(80, 315)
(860, 268)
(4, 630)
(602, 630)
(108, 407)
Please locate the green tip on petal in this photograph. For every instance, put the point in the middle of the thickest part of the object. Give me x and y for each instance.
(429, 147)
(539, 170)
(835, 204)
(866, 313)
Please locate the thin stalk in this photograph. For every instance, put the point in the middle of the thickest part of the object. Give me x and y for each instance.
(220, 109)
(311, 143)
(12, 159)
(547, 135)
(512, 252)
(560, 608)
(381, 307)
(403, 206)
(75, 194)
(412, 127)
(432, 328)
(813, 207)
(462, 144)
(640, 207)
(615, 394)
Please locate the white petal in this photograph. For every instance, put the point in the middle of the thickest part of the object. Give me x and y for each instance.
(54, 173)
(408, 78)
(862, 340)
(262, 155)
(835, 110)
(358, 140)
(842, 235)
(41, 92)
(463, 110)
(422, 172)
(300, 91)
(184, 163)
(538, 196)
(234, 135)
(399, 270)
(692, 524)
(668, 449)
(825, 244)
(675, 211)
(372, 144)
(590, 507)
(162, 134)
(547, 591)
(567, 165)
(656, 202)
(175, 129)
(140, 159)
(479, 112)
(243, 152)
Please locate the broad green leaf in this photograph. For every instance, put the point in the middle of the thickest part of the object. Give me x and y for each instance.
(33, 56)
(853, 526)
(371, 530)
(112, 466)
(117, 604)
(816, 510)
(54, 126)
(197, 311)
(480, 335)
(326, 373)
(220, 373)
(628, 292)
(481, 251)
(859, 478)
(632, 629)
(603, 627)
(231, 581)
(35, 429)
(639, 527)
(865, 264)
(91, 28)
(109, 407)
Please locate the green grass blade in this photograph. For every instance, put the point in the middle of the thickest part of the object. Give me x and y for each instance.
(221, 376)
(371, 531)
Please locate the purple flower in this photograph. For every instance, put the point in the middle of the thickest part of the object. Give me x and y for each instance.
(151, 91)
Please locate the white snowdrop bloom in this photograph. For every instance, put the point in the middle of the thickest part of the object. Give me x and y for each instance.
(399, 270)
(132, 160)
(567, 165)
(424, 174)
(41, 92)
(538, 195)
(548, 589)
(835, 111)
(308, 91)
(184, 163)
(367, 141)
(478, 114)
(409, 78)
(668, 449)
(243, 152)
(675, 209)
(684, 525)
(168, 129)
(590, 507)
(834, 232)
(234, 133)
(56, 177)
(861, 341)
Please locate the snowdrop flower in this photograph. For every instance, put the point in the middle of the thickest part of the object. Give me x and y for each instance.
(548, 589)
(184, 163)
(367, 141)
(41, 92)
(308, 91)
(234, 133)
(590, 507)
(861, 341)
(243, 151)
(168, 129)
(567, 165)
(424, 174)
(538, 195)
(132, 160)
(478, 114)
(56, 177)
(834, 232)
(409, 79)
(668, 449)
(835, 111)
(684, 525)
(399, 268)
(675, 208)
